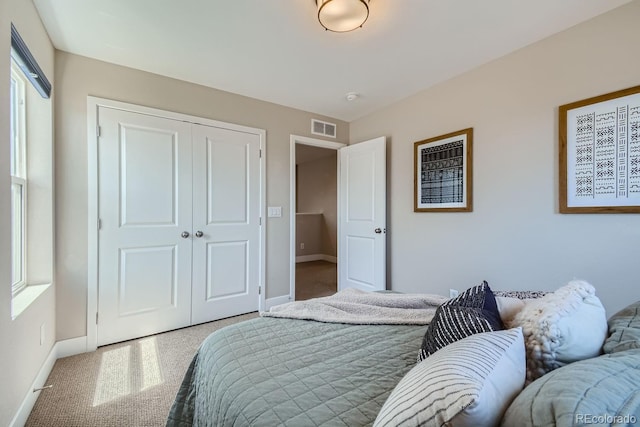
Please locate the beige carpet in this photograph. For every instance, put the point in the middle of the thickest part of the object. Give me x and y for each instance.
(315, 279)
(127, 384)
(133, 383)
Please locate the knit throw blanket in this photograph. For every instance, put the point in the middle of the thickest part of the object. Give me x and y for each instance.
(358, 307)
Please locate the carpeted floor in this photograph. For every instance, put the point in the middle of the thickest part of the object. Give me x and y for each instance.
(315, 279)
(133, 383)
(129, 384)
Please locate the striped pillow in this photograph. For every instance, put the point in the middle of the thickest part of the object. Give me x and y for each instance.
(472, 312)
(468, 383)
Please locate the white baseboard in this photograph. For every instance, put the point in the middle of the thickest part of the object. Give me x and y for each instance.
(30, 399)
(71, 347)
(60, 349)
(316, 257)
(270, 302)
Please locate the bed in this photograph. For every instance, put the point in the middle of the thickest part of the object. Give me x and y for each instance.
(295, 372)
(275, 371)
(287, 368)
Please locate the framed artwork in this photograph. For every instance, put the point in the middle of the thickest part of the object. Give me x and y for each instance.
(600, 154)
(443, 173)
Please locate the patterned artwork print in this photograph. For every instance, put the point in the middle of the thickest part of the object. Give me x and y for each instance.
(607, 153)
(442, 173)
(634, 150)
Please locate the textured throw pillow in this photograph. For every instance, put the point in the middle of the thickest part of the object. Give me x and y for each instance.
(472, 312)
(468, 383)
(624, 330)
(567, 325)
(601, 391)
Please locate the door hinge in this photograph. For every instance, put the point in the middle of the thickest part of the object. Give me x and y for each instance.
(99, 224)
(259, 290)
(98, 131)
(260, 151)
(96, 317)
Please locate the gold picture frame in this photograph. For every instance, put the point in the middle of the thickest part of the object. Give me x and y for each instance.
(443, 172)
(599, 154)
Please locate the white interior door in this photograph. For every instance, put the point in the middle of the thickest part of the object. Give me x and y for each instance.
(145, 195)
(226, 221)
(362, 223)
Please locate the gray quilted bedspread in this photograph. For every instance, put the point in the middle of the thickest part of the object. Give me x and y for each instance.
(270, 372)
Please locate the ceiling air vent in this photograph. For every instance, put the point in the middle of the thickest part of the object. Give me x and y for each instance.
(323, 128)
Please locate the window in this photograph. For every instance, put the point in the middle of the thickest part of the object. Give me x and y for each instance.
(17, 142)
(31, 164)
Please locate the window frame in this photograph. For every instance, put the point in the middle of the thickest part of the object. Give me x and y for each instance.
(18, 161)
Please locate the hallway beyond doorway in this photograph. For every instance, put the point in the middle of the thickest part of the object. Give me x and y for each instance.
(315, 279)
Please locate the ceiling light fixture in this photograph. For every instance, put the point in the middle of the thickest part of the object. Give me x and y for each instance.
(342, 15)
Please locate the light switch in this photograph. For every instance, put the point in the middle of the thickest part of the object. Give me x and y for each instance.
(275, 211)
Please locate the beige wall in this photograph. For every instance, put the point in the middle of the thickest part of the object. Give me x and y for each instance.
(514, 238)
(309, 227)
(317, 192)
(76, 78)
(21, 355)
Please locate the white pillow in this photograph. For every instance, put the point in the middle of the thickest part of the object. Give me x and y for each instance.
(567, 325)
(508, 307)
(470, 382)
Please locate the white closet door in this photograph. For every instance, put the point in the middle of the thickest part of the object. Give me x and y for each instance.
(145, 195)
(226, 223)
(362, 220)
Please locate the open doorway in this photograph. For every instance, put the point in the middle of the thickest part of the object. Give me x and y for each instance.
(314, 231)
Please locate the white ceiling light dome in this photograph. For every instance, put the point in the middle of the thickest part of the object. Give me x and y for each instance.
(342, 15)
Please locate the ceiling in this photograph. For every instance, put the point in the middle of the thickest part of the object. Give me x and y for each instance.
(275, 50)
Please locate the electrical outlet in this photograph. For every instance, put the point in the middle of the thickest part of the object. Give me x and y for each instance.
(453, 293)
(42, 334)
(301, 245)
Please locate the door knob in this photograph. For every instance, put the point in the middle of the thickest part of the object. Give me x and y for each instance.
(378, 230)
(199, 234)
(185, 235)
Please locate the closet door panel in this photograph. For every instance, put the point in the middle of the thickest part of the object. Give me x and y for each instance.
(227, 181)
(226, 216)
(144, 279)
